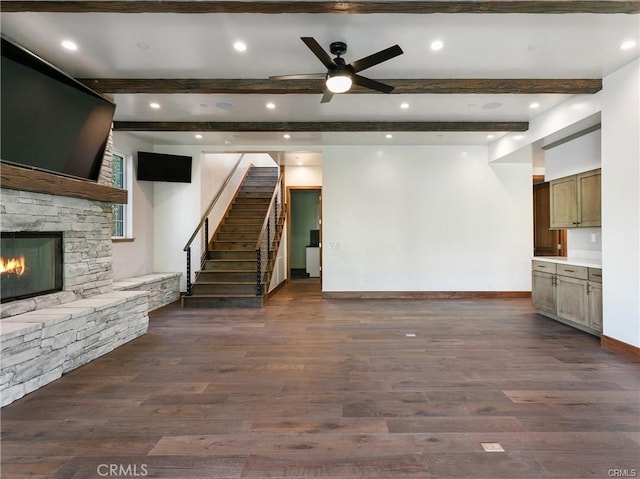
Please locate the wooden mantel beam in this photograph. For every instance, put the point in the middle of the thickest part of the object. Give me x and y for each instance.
(567, 86)
(325, 126)
(340, 7)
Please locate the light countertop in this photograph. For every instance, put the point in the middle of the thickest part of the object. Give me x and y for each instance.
(587, 262)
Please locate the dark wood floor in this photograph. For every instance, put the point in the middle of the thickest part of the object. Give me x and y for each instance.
(308, 387)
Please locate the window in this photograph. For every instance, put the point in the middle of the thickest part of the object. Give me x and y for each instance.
(120, 179)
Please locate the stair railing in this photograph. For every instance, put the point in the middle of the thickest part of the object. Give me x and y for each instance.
(202, 230)
(267, 235)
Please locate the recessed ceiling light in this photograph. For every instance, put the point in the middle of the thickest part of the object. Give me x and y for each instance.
(534, 105)
(437, 45)
(240, 46)
(223, 105)
(198, 136)
(388, 136)
(492, 105)
(286, 136)
(69, 45)
(628, 44)
(404, 105)
(154, 105)
(518, 137)
(271, 106)
(490, 137)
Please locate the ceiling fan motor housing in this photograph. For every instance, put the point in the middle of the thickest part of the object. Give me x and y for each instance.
(338, 48)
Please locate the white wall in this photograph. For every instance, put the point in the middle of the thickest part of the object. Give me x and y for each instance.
(574, 156)
(303, 175)
(135, 258)
(621, 204)
(425, 218)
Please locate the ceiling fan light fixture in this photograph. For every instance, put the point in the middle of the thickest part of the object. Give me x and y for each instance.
(338, 82)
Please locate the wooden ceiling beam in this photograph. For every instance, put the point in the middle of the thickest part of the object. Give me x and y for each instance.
(325, 126)
(275, 7)
(402, 86)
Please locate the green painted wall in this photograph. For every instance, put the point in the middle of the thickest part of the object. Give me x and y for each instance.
(304, 217)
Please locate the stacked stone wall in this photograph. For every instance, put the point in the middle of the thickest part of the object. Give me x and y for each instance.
(87, 249)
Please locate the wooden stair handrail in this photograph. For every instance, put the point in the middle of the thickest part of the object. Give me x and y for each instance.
(268, 215)
(213, 203)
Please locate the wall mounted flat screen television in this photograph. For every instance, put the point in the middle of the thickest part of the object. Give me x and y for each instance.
(163, 167)
(50, 121)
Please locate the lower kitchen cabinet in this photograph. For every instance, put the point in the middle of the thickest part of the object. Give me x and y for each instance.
(567, 293)
(543, 291)
(572, 300)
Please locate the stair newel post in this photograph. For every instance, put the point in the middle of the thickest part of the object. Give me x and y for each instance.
(189, 271)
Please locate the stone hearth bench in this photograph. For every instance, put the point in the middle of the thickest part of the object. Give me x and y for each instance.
(40, 346)
(163, 288)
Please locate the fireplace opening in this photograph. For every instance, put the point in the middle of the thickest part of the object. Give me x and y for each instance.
(30, 264)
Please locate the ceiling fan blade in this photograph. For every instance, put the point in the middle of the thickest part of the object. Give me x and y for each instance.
(372, 84)
(326, 98)
(371, 60)
(318, 51)
(301, 76)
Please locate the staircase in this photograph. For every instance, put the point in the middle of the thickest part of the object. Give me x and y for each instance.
(229, 276)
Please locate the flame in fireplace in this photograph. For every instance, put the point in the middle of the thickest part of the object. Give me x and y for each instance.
(12, 265)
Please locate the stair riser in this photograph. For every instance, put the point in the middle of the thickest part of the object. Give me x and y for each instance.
(247, 199)
(256, 189)
(237, 236)
(241, 228)
(196, 302)
(240, 212)
(223, 288)
(243, 220)
(254, 195)
(222, 276)
(241, 255)
(241, 246)
(251, 203)
(213, 265)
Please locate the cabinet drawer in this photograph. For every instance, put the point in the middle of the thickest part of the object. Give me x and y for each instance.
(543, 266)
(595, 275)
(578, 272)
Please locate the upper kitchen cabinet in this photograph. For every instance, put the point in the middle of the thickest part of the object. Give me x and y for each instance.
(575, 201)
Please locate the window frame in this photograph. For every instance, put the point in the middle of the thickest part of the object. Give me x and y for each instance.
(126, 209)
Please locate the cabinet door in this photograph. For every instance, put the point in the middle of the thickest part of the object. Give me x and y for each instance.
(564, 204)
(589, 206)
(595, 306)
(572, 300)
(543, 292)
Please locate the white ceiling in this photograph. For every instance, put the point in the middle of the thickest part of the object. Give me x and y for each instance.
(151, 45)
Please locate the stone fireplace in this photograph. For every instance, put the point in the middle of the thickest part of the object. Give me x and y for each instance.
(59, 228)
(30, 264)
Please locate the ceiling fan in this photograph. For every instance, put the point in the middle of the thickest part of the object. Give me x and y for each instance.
(340, 75)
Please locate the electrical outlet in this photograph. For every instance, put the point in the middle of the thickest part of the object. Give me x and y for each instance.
(593, 237)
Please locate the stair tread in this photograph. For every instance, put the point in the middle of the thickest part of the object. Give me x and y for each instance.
(230, 295)
(229, 283)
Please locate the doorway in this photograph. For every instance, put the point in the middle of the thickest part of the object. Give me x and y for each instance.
(546, 242)
(305, 220)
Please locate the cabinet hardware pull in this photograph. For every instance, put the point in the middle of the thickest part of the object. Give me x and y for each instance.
(570, 270)
(588, 288)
